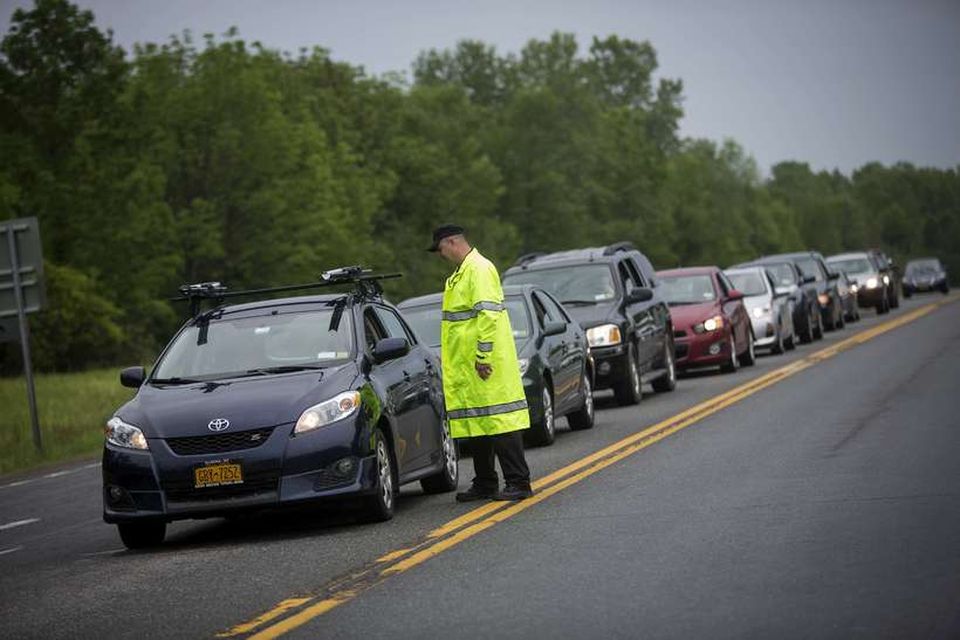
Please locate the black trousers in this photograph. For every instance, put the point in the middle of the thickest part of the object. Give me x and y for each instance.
(508, 448)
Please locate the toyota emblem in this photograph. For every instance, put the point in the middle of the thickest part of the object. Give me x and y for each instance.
(219, 424)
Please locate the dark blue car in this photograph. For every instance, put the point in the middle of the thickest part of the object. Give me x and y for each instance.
(277, 402)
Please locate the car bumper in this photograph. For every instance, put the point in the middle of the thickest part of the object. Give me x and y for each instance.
(923, 286)
(610, 365)
(764, 330)
(870, 297)
(159, 484)
(701, 350)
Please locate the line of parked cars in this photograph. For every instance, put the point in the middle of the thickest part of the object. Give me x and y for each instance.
(338, 396)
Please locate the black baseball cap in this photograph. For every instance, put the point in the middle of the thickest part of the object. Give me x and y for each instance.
(445, 231)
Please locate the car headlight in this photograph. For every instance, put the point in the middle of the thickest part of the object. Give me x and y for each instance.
(524, 365)
(710, 324)
(125, 435)
(886, 279)
(605, 335)
(854, 288)
(328, 412)
(872, 283)
(823, 299)
(760, 312)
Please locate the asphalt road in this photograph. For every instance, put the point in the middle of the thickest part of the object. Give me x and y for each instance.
(821, 502)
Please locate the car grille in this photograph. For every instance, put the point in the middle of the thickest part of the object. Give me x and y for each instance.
(679, 334)
(253, 484)
(219, 443)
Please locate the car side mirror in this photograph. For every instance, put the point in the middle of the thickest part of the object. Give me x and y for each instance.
(808, 279)
(554, 327)
(780, 293)
(853, 282)
(133, 377)
(390, 349)
(833, 276)
(640, 294)
(733, 294)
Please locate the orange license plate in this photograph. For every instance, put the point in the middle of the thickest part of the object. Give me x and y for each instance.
(216, 475)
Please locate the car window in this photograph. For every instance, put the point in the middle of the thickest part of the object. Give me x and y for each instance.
(725, 285)
(519, 318)
(634, 273)
(554, 313)
(234, 345)
(646, 270)
(770, 279)
(372, 331)
(392, 323)
(750, 283)
(425, 321)
(580, 284)
(810, 267)
(783, 274)
(563, 312)
(626, 278)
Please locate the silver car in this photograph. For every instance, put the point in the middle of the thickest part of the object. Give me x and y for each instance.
(770, 312)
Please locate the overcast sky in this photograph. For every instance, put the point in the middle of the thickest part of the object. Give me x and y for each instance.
(836, 83)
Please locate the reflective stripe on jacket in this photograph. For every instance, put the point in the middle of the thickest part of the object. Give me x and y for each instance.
(476, 328)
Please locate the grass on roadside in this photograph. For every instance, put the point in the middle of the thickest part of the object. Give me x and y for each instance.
(72, 408)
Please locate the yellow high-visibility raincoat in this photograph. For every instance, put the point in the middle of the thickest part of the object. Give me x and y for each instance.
(476, 328)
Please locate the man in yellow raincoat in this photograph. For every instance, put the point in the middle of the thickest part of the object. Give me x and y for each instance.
(481, 376)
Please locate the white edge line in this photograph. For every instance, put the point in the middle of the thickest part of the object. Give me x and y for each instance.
(4, 552)
(56, 474)
(18, 523)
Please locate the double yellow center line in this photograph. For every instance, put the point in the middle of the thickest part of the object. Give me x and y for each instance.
(295, 612)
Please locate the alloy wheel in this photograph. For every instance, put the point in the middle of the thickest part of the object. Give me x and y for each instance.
(548, 419)
(385, 475)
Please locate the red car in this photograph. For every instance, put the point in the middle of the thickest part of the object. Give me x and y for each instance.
(711, 326)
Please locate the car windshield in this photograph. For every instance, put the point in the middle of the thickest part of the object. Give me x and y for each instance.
(851, 266)
(783, 274)
(925, 266)
(425, 320)
(749, 283)
(584, 284)
(687, 289)
(810, 268)
(255, 345)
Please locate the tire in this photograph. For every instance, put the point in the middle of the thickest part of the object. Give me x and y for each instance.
(584, 417)
(841, 321)
(791, 342)
(907, 293)
(883, 307)
(630, 391)
(895, 300)
(945, 289)
(379, 507)
(778, 346)
(807, 336)
(543, 433)
(733, 364)
(142, 535)
(668, 381)
(749, 357)
(446, 479)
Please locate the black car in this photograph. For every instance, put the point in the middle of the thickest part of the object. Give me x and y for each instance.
(925, 274)
(555, 362)
(277, 402)
(612, 292)
(823, 286)
(801, 296)
(890, 274)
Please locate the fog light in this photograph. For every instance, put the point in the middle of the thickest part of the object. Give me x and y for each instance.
(715, 348)
(119, 499)
(604, 368)
(345, 467)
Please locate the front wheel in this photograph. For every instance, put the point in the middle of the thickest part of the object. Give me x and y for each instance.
(142, 535)
(446, 479)
(778, 346)
(379, 506)
(629, 391)
(731, 365)
(583, 418)
(668, 381)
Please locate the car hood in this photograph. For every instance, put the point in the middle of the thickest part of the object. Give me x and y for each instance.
(591, 315)
(761, 301)
(684, 316)
(248, 403)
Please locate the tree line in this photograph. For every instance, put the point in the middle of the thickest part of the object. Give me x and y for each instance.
(227, 160)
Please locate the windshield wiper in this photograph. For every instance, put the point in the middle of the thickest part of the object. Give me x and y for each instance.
(284, 368)
(175, 380)
(578, 302)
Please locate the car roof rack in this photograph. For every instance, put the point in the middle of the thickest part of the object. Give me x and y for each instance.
(367, 286)
(528, 257)
(617, 247)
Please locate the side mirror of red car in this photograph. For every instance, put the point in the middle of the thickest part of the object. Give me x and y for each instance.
(734, 294)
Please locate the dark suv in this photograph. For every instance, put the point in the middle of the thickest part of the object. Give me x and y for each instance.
(612, 292)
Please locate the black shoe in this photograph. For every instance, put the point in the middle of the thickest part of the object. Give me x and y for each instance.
(513, 493)
(472, 494)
